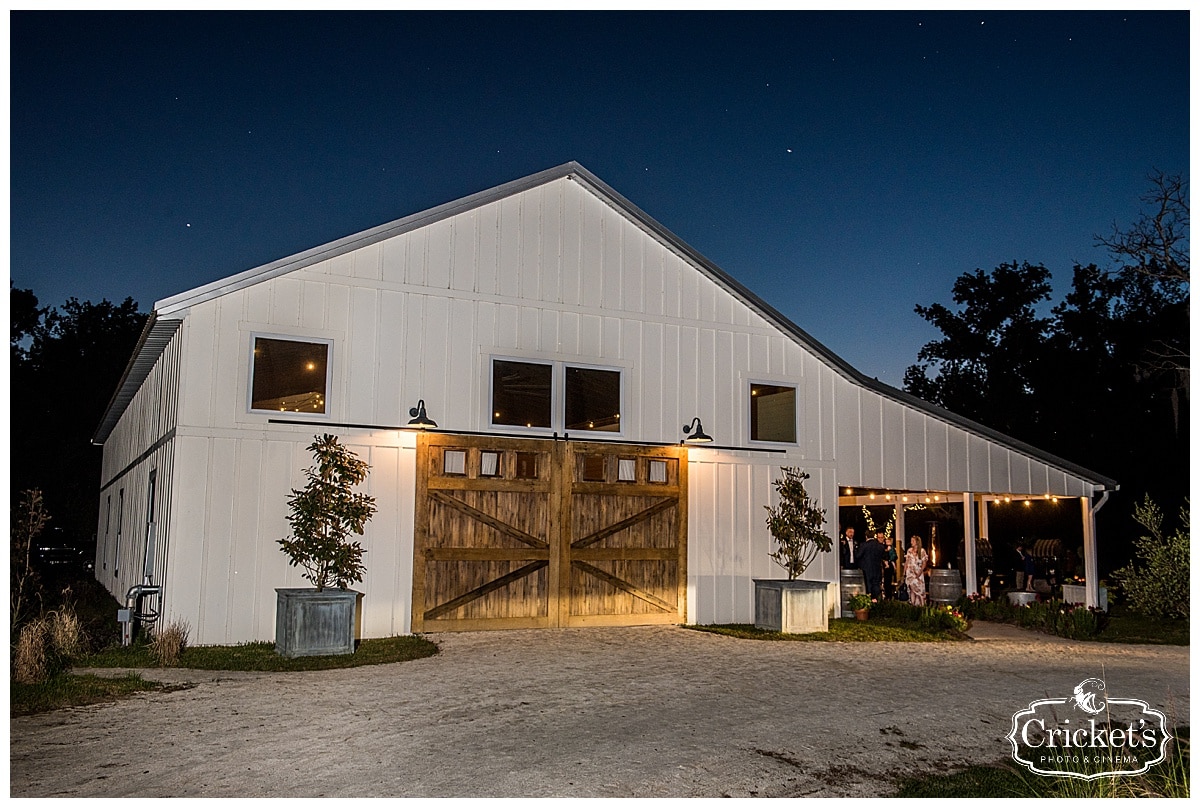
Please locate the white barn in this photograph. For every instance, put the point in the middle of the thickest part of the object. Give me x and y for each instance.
(560, 338)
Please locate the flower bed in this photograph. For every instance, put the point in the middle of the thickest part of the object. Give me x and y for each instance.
(932, 618)
(1069, 620)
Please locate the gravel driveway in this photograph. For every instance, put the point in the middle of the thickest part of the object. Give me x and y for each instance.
(645, 712)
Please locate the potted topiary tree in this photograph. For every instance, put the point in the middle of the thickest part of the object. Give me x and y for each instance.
(796, 524)
(311, 622)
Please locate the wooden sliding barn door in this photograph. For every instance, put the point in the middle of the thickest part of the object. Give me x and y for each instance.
(515, 533)
(626, 528)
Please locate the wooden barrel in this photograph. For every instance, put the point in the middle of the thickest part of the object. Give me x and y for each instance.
(853, 583)
(945, 586)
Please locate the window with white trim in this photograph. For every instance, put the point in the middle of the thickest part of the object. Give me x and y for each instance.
(289, 375)
(555, 395)
(772, 413)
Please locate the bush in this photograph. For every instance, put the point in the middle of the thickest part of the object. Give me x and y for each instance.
(1157, 582)
(168, 644)
(46, 646)
(897, 610)
(325, 513)
(941, 618)
(1068, 620)
(860, 601)
(66, 633)
(796, 525)
(30, 664)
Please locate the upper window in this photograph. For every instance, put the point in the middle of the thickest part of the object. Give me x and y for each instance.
(546, 395)
(593, 401)
(521, 393)
(772, 413)
(289, 375)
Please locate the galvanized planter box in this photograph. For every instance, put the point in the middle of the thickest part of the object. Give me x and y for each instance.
(793, 607)
(312, 623)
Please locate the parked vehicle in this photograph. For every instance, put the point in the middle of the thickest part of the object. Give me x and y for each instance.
(59, 550)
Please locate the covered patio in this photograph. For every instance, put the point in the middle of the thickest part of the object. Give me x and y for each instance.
(976, 529)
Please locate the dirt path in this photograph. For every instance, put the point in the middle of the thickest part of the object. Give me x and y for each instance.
(650, 712)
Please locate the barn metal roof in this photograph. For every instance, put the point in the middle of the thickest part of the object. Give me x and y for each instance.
(169, 312)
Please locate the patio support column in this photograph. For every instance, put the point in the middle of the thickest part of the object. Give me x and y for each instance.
(900, 534)
(968, 500)
(1091, 573)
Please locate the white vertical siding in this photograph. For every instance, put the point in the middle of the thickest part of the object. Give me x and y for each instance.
(728, 541)
(142, 442)
(555, 272)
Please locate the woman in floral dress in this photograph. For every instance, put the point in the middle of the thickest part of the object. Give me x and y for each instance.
(915, 563)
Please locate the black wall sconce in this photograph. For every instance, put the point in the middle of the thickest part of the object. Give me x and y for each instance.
(421, 419)
(695, 433)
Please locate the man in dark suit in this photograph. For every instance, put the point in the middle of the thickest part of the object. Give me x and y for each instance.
(849, 550)
(871, 559)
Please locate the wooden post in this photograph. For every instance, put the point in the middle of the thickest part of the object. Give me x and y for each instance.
(968, 500)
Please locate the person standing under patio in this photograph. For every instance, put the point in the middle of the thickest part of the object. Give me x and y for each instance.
(916, 561)
(870, 558)
(1019, 566)
(849, 550)
(891, 575)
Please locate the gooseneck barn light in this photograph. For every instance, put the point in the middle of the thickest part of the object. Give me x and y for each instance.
(421, 419)
(695, 432)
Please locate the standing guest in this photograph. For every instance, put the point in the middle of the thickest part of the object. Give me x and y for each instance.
(916, 561)
(849, 550)
(871, 558)
(889, 568)
(1030, 570)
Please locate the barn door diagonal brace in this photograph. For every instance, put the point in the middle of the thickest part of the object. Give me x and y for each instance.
(487, 519)
(617, 527)
(623, 585)
(480, 591)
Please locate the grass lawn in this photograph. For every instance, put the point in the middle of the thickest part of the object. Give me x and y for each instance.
(1125, 625)
(842, 630)
(74, 690)
(1170, 778)
(69, 690)
(261, 656)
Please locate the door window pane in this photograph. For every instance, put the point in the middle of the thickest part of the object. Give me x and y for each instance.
(521, 393)
(627, 470)
(454, 462)
(658, 471)
(289, 375)
(593, 469)
(593, 400)
(772, 413)
(526, 466)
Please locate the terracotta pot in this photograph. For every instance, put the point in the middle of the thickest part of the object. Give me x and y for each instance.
(861, 614)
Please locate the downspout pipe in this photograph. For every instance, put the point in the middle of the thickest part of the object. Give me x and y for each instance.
(132, 614)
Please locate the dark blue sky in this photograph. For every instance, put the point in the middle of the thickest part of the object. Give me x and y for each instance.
(844, 166)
